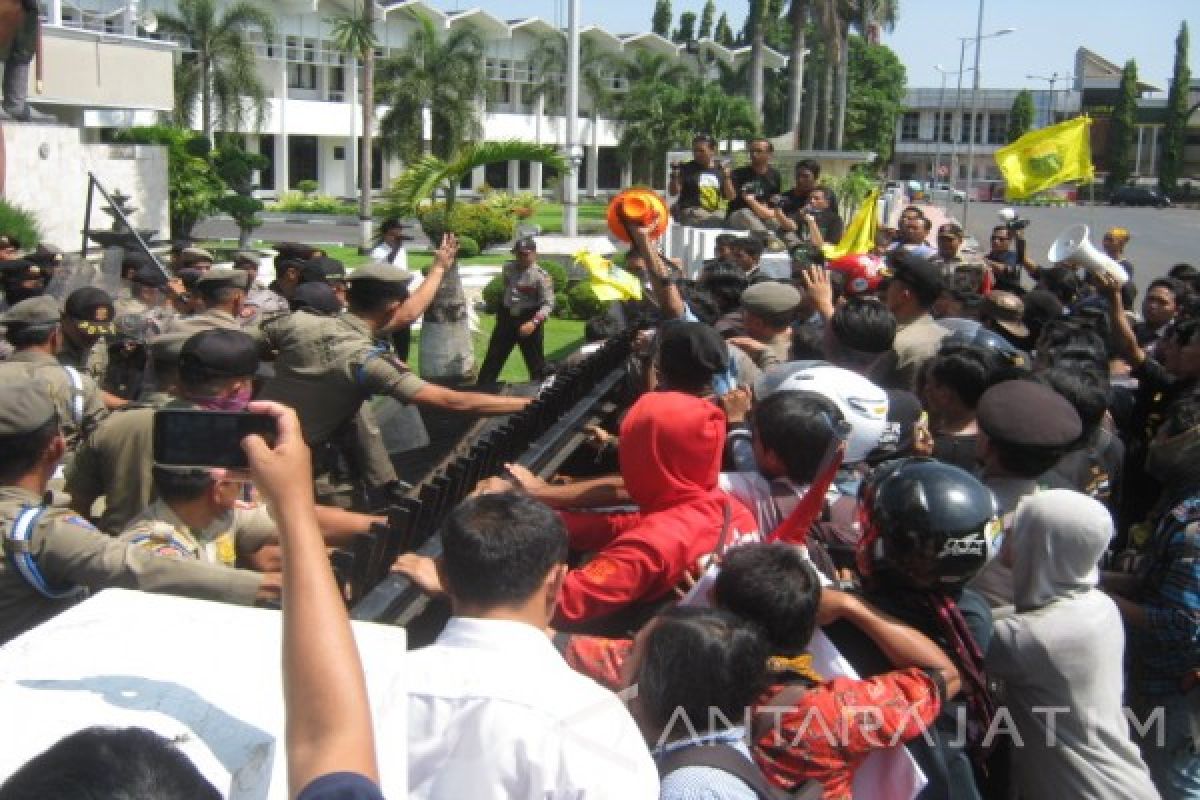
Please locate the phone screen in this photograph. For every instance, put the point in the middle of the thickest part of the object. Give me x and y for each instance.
(190, 438)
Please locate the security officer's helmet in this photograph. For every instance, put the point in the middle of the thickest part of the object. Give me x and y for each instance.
(926, 525)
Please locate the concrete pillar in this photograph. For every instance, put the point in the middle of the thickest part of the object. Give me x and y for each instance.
(514, 176)
(282, 183)
(351, 87)
(54, 12)
(1137, 153)
(478, 176)
(1154, 149)
(593, 160)
(535, 168)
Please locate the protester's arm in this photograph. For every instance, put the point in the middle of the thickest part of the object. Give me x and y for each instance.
(112, 401)
(903, 646)
(339, 526)
(325, 695)
(665, 290)
(1126, 339)
(608, 490)
(761, 210)
(468, 402)
(418, 302)
(820, 290)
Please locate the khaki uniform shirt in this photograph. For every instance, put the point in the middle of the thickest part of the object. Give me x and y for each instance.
(69, 551)
(779, 351)
(327, 366)
(916, 342)
(78, 412)
(527, 290)
(239, 530)
(212, 319)
(92, 361)
(262, 303)
(136, 319)
(117, 462)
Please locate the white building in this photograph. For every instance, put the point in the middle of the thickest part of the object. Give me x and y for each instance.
(313, 122)
(917, 146)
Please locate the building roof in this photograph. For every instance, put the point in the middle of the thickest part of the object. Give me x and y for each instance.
(1093, 71)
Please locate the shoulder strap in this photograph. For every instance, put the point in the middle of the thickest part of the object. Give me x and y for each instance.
(360, 373)
(22, 560)
(76, 404)
(722, 757)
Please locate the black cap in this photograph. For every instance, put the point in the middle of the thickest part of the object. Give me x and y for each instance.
(319, 298)
(20, 269)
(1021, 412)
(92, 310)
(149, 275)
(218, 353)
(334, 270)
(690, 354)
(311, 272)
(45, 255)
(917, 271)
(525, 243)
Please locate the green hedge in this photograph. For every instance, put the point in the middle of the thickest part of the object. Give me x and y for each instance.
(487, 226)
(467, 247)
(19, 224)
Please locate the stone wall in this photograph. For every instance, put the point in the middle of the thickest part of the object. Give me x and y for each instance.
(46, 172)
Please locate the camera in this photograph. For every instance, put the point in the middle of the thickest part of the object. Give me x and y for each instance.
(1011, 221)
(774, 201)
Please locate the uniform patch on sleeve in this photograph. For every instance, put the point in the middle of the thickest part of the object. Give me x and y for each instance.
(75, 519)
(599, 570)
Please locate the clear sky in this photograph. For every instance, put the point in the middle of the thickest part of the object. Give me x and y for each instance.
(1048, 32)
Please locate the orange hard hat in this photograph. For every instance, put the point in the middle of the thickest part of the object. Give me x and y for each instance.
(638, 206)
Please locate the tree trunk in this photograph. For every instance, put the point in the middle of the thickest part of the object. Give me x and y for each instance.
(825, 117)
(799, 13)
(843, 77)
(810, 110)
(757, 47)
(206, 123)
(366, 151)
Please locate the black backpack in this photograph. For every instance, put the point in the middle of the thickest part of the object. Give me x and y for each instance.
(727, 759)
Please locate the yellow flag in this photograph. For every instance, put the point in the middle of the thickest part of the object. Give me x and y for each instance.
(608, 282)
(1044, 158)
(859, 236)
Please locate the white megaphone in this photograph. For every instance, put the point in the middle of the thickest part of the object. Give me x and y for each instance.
(1074, 245)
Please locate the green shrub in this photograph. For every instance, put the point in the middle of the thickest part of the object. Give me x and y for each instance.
(557, 273)
(307, 187)
(562, 306)
(584, 303)
(493, 294)
(297, 203)
(467, 247)
(20, 224)
(486, 225)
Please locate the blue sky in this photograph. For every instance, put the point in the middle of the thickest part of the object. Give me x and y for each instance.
(1048, 32)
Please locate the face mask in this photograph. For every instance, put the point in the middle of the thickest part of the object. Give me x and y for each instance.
(229, 402)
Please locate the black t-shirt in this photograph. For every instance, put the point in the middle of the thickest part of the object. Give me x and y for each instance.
(341, 786)
(747, 181)
(793, 200)
(693, 178)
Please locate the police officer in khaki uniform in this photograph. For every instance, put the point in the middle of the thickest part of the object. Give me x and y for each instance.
(327, 366)
(223, 292)
(260, 302)
(88, 317)
(525, 305)
(51, 556)
(216, 372)
(34, 328)
(147, 311)
(768, 310)
(198, 515)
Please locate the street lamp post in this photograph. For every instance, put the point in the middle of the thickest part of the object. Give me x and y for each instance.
(941, 123)
(1052, 79)
(979, 37)
(574, 151)
(958, 98)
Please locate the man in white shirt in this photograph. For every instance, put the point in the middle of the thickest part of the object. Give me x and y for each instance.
(390, 249)
(493, 709)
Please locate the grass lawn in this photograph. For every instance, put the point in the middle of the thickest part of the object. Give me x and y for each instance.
(591, 217)
(563, 337)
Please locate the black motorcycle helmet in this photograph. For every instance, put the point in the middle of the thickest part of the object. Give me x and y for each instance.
(926, 525)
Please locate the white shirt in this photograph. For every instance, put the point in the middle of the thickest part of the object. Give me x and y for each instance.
(495, 712)
(383, 252)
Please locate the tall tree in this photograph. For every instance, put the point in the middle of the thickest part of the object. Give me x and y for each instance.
(877, 81)
(686, 32)
(660, 23)
(354, 35)
(219, 70)
(706, 20)
(1171, 160)
(798, 17)
(442, 76)
(1020, 116)
(756, 21)
(723, 33)
(1119, 154)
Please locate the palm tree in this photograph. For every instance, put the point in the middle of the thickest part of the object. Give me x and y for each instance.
(798, 13)
(649, 68)
(725, 115)
(444, 77)
(354, 35)
(219, 68)
(446, 349)
(757, 22)
(867, 15)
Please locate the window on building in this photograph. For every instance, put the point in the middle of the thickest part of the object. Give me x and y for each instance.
(495, 175)
(337, 84)
(498, 94)
(997, 128)
(910, 126)
(302, 76)
(966, 128)
(523, 179)
(947, 125)
(266, 175)
(302, 160)
(339, 153)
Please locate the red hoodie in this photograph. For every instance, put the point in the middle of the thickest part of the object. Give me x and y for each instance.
(670, 455)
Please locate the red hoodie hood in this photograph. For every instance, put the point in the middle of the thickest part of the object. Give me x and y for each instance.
(671, 445)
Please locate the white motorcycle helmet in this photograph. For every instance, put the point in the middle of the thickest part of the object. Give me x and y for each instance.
(862, 403)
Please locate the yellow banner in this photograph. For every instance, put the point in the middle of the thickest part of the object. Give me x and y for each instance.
(608, 282)
(1044, 158)
(859, 236)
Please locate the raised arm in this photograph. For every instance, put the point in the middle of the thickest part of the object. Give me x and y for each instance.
(325, 695)
(419, 301)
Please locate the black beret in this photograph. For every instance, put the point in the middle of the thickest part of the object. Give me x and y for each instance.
(318, 298)
(219, 353)
(691, 353)
(1021, 412)
(917, 271)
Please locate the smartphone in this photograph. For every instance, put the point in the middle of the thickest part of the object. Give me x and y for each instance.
(193, 438)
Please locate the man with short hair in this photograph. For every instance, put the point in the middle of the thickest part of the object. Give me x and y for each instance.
(525, 305)
(1006, 263)
(1164, 299)
(223, 292)
(911, 292)
(1003, 312)
(806, 172)
(757, 189)
(146, 312)
(747, 252)
(390, 249)
(700, 185)
(53, 556)
(196, 258)
(34, 327)
(914, 236)
(525, 724)
(768, 310)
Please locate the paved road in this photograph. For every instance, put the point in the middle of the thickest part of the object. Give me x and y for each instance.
(1159, 238)
(309, 233)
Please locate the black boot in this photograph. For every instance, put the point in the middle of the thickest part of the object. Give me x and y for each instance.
(16, 94)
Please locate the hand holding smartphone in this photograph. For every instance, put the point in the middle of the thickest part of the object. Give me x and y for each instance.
(206, 439)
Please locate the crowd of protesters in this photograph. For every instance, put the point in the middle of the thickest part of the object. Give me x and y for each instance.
(926, 525)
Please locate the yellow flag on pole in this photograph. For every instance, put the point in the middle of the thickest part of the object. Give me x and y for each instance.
(1044, 158)
(608, 282)
(859, 236)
